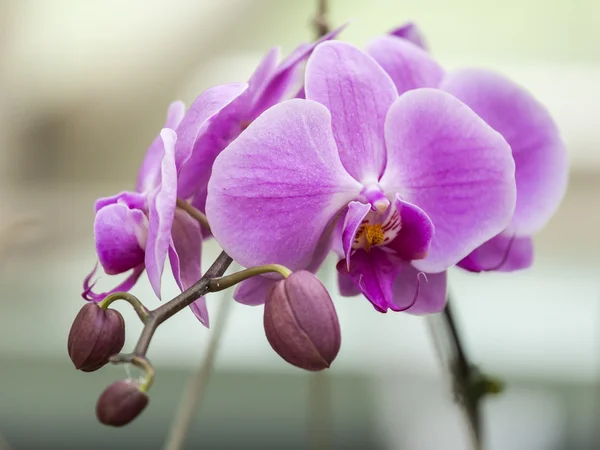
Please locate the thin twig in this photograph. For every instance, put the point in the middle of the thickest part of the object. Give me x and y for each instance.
(466, 381)
(464, 375)
(197, 383)
(320, 22)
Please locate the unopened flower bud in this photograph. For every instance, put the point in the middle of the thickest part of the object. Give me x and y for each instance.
(301, 323)
(96, 335)
(120, 403)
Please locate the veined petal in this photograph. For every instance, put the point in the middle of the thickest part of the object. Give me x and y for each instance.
(124, 286)
(502, 253)
(185, 253)
(161, 213)
(195, 151)
(253, 291)
(352, 222)
(373, 273)
(358, 93)
(276, 188)
(541, 166)
(287, 80)
(263, 73)
(346, 285)
(120, 235)
(430, 289)
(445, 159)
(416, 232)
(149, 174)
(133, 200)
(409, 66)
(410, 32)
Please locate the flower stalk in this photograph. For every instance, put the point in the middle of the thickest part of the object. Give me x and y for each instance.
(137, 305)
(159, 315)
(219, 284)
(194, 213)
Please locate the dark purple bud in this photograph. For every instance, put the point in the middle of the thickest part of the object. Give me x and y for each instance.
(301, 323)
(96, 335)
(120, 403)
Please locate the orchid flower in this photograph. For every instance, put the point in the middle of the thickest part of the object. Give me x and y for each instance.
(539, 153)
(271, 82)
(415, 180)
(137, 230)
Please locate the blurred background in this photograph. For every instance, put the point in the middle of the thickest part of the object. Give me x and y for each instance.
(84, 87)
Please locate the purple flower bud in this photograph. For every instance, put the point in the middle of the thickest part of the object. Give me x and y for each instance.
(120, 403)
(301, 323)
(96, 335)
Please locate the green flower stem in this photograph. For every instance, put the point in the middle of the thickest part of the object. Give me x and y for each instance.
(138, 306)
(218, 284)
(159, 315)
(193, 212)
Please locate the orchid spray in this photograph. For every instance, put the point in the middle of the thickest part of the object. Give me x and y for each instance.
(379, 155)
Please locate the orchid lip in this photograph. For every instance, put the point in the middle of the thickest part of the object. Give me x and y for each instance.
(377, 230)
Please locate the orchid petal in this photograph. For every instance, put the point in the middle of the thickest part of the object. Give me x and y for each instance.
(124, 286)
(161, 213)
(446, 160)
(358, 93)
(283, 184)
(263, 73)
(539, 152)
(253, 291)
(288, 77)
(410, 32)
(410, 67)
(416, 231)
(120, 235)
(374, 272)
(503, 253)
(185, 253)
(346, 286)
(354, 218)
(431, 290)
(149, 174)
(212, 113)
(133, 200)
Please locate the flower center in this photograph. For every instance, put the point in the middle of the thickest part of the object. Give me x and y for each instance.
(374, 234)
(377, 229)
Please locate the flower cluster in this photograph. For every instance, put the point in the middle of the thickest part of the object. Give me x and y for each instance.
(380, 155)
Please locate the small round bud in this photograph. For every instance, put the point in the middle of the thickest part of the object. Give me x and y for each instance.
(301, 323)
(96, 335)
(120, 403)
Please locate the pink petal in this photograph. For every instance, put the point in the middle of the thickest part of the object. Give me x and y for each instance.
(447, 161)
(539, 152)
(352, 222)
(358, 93)
(410, 32)
(253, 291)
(213, 114)
(409, 66)
(161, 213)
(373, 273)
(416, 232)
(276, 190)
(503, 253)
(430, 290)
(149, 175)
(124, 286)
(185, 254)
(120, 235)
